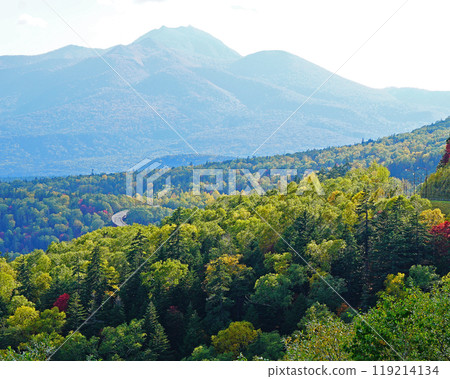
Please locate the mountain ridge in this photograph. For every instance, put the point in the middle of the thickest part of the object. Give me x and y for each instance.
(71, 113)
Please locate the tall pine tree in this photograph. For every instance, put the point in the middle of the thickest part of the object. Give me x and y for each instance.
(363, 238)
(76, 314)
(95, 282)
(134, 293)
(194, 335)
(157, 342)
(24, 276)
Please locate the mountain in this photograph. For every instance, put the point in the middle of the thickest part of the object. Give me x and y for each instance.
(73, 109)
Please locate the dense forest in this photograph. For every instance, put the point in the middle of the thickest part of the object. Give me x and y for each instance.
(403, 154)
(35, 213)
(408, 156)
(357, 273)
(438, 184)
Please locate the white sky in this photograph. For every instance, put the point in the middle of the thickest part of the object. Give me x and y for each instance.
(411, 50)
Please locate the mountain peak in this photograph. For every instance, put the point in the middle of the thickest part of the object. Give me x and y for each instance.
(189, 40)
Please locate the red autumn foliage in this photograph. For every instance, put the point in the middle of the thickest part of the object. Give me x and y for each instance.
(87, 209)
(446, 158)
(442, 230)
(441, 234)
(62, 302)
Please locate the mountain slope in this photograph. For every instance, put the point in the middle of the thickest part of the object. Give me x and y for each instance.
(67, 112)
(91, 199)
(408, 156)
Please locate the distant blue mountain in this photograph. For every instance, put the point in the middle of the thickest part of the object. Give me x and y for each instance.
(68, 112)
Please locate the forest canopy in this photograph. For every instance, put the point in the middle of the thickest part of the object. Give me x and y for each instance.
(35, 213)
(246, 277)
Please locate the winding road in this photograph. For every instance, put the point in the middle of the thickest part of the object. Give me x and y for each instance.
(117, 218)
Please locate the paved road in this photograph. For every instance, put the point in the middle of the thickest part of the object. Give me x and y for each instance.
(117, 218)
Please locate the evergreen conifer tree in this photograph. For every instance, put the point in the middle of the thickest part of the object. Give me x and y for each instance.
(95, 283)
(157, 342)
(133, 293)
(76, 314)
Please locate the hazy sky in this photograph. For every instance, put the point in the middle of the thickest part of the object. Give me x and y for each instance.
(412, 49)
